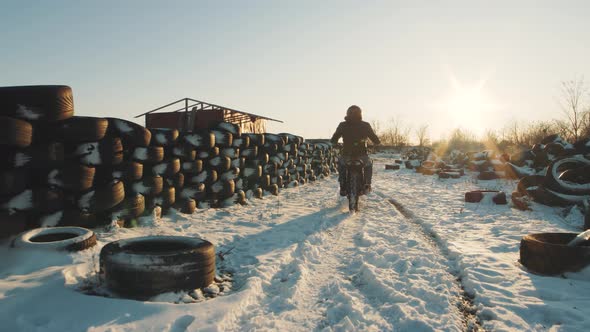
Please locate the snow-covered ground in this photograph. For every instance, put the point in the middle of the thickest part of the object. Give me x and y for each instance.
(301, 262)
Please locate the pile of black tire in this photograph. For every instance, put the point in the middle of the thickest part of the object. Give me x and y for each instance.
(58, 169)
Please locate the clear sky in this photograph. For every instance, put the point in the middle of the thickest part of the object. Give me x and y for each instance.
(470, 64)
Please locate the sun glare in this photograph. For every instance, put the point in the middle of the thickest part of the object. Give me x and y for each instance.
(468, 107)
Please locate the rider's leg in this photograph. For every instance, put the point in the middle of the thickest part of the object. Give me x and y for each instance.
(341, 173)
(368, 172)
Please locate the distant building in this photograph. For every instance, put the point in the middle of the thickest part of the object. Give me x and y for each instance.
(199, 115)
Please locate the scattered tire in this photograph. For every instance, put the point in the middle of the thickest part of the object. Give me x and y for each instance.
(56, 238)
(392, 167)
(37, 102)
(146, 266)
(548, 253)
(475, 196)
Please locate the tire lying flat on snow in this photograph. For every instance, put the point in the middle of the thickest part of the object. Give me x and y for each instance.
(548, 253)
(57, 238)
(146, 266)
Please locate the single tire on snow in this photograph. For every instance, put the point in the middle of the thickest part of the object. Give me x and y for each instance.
(146, 266)
(56, 238)
(548, 253)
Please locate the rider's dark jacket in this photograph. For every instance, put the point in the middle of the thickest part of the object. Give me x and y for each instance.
(354, 135)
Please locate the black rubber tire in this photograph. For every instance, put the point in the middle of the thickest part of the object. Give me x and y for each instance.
(528, 182)
(177, 181)
(554, 182)
(48, 199)
(13, 181)
(71, 178)
(192, 167)
(133, 206)
(473, 196)
(255, 139)
(519, 201)
(488, 175)
(15, 132)
(165, 200)
(188, 205)
(223, 139)
(199, 139)
(220, 163)
(232, 128)
(56, 238)
(102, 198)
(167, 168)
(37, 102)
(184, 152)
(79, 129)
(108, 151)
(150, 154)
(131, 133)
(146, 266)
(197, 192)
(241, 142)
(164, 136)
(393, 167)
(148, 186)
(34, 156)
(548, 253)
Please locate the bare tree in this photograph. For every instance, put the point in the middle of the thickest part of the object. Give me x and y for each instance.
(422, 134)
(396, 134)
(573, 106)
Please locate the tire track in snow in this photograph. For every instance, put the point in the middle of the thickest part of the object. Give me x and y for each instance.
(470, 319)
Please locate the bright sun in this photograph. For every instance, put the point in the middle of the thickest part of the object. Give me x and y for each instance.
(468, 108)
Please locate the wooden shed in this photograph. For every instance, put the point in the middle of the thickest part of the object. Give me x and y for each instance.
(197, 114)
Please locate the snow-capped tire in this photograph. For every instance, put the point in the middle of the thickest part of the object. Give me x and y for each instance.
(167, 168)
(150, 154)
(102, 198)
(554, 182)
(549, 254)
(163, 136)
(37, 102)
(131, 133)
(132, 206)
(35, 156)
(229, 127)
(146, 266)
(255, 139)
(108, 151)
(15, 132)
(79, 129)
(72, 178)
(223, 139)
(199, 140)
(188, 206)
(148, 186)
(56, 238)
(192, 167)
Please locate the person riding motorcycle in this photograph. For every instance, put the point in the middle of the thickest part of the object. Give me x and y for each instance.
(354, 132)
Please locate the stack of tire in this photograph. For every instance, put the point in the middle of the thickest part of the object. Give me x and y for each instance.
(64, 170)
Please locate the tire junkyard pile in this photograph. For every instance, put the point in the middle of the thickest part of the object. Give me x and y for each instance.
(64, 170)
(552, 172)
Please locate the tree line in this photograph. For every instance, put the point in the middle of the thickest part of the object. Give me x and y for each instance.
(573, 124)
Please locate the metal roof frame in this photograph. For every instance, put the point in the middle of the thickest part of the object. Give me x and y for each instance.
(204, 106)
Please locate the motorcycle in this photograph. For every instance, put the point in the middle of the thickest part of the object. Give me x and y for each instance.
(355, 182)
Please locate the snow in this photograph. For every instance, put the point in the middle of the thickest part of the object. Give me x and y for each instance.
(299, 262)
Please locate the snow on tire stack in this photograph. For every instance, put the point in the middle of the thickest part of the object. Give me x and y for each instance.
(64, 170)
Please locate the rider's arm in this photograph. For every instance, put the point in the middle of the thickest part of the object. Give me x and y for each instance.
(374, 138)
(337, 134)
